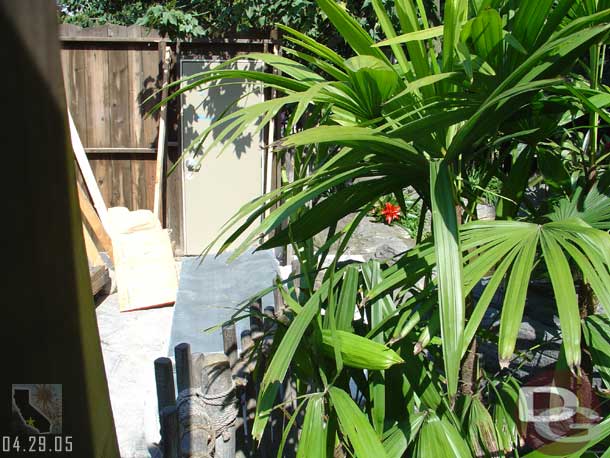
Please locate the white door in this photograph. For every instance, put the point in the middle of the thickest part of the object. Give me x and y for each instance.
(216, 190)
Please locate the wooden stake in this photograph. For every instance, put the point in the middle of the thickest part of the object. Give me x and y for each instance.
(164, 377)
(85, 169)
(93, 255)
(184, 366)
(166, 57)
(170, 432)
(94, 222)
(229, 339)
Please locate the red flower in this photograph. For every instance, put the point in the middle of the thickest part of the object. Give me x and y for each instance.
(390, 212)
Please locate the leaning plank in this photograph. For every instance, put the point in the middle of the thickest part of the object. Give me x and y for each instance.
(166, 60)
(92, 254)
(98, 272)
(93, 221)
(85, 168)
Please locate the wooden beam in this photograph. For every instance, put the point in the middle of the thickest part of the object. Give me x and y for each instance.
(120, 150)
(126, 40)
(94, 222)
(99, 278)
(93, 256)
(166, 55)
(85, 168)
(197, 41)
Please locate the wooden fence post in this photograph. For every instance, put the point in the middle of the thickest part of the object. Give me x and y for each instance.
(165, 57)
(164, 377)
(184, 366)
(256, 322)
(170, 432)
(229, 340)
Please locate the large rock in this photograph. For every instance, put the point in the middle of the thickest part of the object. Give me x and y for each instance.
(372, 240)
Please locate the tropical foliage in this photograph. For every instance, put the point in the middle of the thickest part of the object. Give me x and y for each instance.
(186, 19)
(386, 353)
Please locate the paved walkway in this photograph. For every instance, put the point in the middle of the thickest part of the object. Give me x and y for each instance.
(131, 341)
(210, 292)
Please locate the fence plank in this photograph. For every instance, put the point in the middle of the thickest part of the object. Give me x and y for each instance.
(101, 164)
(75, 81)
(120, 119)
(138, 184)
(98, 97)
(119, 85)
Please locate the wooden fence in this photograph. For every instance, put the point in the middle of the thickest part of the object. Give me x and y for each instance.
(210, 411)
(106, 84)
(109, 73)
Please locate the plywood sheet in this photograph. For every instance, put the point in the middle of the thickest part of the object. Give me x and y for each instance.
(144, 262)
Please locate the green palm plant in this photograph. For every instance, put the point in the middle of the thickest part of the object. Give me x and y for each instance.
(488, 87)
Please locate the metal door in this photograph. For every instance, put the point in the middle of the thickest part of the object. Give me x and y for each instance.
(216, 190)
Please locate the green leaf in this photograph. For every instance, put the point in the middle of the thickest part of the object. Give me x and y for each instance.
(355, 137)
(596, 330)
(514, 187)
(529, 20)
(486, 34)
(409, 22)
(553, 170)
(594, 209)
(290, 67)
(397, 438)
(276, 371)
(382, 306)
(565, 297)
(438, 438)
(483, 303)
(425, 81)
(481, 429)
(372, 82)
(350, 29)
(356, 426)
(346, 306)
(456, 12)
(390, 32)
(313, 436)
(516, 293)
(449, 271)
(312, 45)
(380, 309)
(359, 352)
(419, 35)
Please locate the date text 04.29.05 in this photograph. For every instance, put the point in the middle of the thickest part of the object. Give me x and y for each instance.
(36, 444)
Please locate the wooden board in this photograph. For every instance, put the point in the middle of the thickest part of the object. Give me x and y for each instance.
(92, 220)
(145, 269)
(98, 272)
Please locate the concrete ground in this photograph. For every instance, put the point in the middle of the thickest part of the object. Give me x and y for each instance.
(208, 294)
(131, 341)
